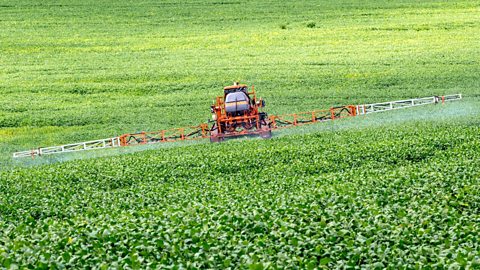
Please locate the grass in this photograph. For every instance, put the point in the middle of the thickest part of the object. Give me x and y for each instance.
(398, 189)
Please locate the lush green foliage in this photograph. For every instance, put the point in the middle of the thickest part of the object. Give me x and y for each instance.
(404, 194)
(394, 197)
(76, 71)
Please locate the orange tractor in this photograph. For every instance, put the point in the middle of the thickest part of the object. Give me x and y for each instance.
(237, 113)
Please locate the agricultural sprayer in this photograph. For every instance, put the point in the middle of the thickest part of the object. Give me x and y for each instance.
(238, 112)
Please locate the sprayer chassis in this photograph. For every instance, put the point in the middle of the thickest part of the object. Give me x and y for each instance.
(248, 122)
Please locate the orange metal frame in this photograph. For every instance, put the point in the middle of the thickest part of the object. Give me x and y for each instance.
(222, 116)
(203, 131)
(302, 118)
(169, 135)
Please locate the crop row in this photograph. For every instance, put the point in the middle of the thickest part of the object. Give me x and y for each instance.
(404, 197)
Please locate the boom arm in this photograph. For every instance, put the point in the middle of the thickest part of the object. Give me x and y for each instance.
(202, 131)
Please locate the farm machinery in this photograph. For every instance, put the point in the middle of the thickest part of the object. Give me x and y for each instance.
(238, 112)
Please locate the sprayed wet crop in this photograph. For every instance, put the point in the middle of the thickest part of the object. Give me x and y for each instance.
(399, 198)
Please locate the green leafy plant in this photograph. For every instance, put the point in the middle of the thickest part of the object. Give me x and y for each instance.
(358, 197)
(311, 24)
(397, 190)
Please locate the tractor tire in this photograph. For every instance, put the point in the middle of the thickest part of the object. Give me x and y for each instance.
(266, 132)
(214, 138)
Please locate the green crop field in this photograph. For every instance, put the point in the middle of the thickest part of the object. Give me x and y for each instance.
(394, 190)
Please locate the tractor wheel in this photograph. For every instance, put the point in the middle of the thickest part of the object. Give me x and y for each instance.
(214, 138)
(266, 132)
